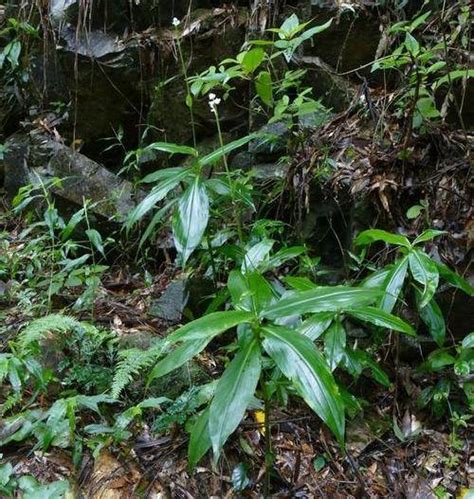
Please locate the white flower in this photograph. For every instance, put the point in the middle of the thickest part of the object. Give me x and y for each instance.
(214, 101)
(176, 22)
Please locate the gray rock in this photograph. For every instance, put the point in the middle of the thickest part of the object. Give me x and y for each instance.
(34, 157)
(170, 305)
(271, 141)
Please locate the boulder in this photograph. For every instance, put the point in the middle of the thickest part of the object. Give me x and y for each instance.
(353, 37)
(208, 38)
(33, 157)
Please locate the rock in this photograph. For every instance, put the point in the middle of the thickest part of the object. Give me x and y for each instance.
(334, 91)
(106, 91)
(210, 37)
(352, 39)
(34, 156)
(271, 141)
(170, 305)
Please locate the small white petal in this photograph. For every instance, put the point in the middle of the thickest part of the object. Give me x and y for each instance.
(212, 96)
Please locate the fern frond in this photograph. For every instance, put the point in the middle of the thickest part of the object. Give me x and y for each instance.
(131, 362)
(53, 323)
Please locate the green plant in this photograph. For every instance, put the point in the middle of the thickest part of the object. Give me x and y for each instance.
(52, 260)
(258, 64)
(424, 273)
(266, 340)
(30, 488)
(82, 369)
(192, 204)
(424, 70)
(453, 367)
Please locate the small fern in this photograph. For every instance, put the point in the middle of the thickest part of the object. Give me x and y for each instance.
(131, 362)
(53, 323)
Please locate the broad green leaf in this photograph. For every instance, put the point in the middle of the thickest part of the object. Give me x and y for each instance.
(218, 154)
(289, 27)
(373, 235)
(453, 76)
(468, 341)
(315, 326)
(239, 291)
(412, 44)
(321, 299)
(299, 283)
(233, 394)
(32, 489)
(162, 174)
(252, 59)
(381, 318)
(414, 211)
(377, 372)
(300, 362)
(256, 255)
(72, 224)
(96, 240)
(264, 87)
(393, 284)
(209, 326)
(260, 291)
(157, 218)
(6, 471)
(439, 359)
(190, 219)
(335, 344)
(158, 193)
(172, 148)
(200, 441)
(432, 316)
(178, 357)
(424, 271)
(428, 235)
(376, 279)
(309, 33)
(454, 279)
(285, 254)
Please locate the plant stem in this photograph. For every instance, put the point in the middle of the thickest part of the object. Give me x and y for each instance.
(189, 98)
(229, 178)
(268, 443)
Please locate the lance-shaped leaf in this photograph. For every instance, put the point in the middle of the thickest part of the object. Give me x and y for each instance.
(335, 344)
(233, 394)
(209, 326)
(321, 299)
(218, 154)
(315, 326)
(172, 148)
(381, 318)
(454, 279)
(200, 441)
(432, 316)
(178, 357)
(393, 284)
(300, 362)
(428, 235)
(162, 174)
(156, 195)
(190, 219)
(424, 271)
(373, 235)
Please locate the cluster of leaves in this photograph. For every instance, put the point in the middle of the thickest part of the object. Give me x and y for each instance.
(424, 68)
(47, 259)
(291, 333)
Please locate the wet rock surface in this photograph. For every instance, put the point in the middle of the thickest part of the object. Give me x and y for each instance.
(34, 157)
